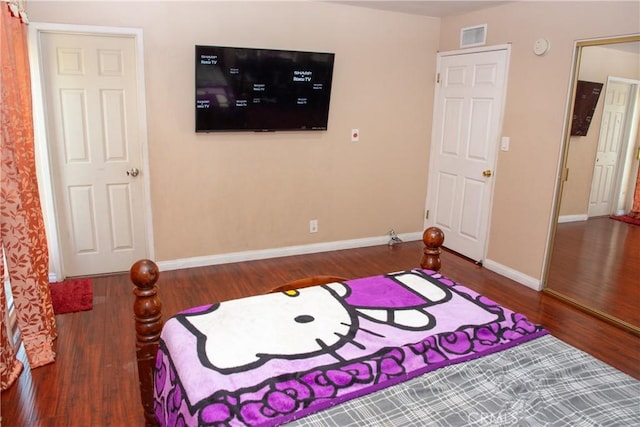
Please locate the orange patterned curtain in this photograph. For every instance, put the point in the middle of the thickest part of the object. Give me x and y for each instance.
(23, 240)
(635, 209)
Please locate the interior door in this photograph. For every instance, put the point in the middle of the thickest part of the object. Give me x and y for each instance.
(603, 184)
(468, 110)
(90, 91)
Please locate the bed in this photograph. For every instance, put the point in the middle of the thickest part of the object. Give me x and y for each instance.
(407, 348)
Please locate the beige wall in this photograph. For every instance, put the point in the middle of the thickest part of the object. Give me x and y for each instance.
(596, 65)
(229, 192)
(535, 111)
(222, 193)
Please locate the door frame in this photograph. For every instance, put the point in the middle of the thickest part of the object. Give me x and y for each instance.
(42, 145)
(492, 183)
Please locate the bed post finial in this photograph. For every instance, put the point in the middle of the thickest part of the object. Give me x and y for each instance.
(433, 238)
(147, 311)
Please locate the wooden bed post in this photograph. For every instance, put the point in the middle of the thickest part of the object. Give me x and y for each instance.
(433, 238)
(147, 311)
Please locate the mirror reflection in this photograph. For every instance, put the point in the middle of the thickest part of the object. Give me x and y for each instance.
(595, 257)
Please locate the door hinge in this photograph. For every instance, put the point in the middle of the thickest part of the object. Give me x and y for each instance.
(426, 216)
(437, 77)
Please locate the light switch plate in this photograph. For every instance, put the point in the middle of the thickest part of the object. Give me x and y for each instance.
(504, 143)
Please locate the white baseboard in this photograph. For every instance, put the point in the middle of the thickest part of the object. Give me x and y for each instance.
(572, 218)
(512, 274)
(204, 261)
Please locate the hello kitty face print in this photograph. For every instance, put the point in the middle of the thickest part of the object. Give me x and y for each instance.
(330, 321)
(292, 324)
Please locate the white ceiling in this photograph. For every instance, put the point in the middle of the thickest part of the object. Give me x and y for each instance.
(426, 8)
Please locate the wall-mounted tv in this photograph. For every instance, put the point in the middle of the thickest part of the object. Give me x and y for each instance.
(245, 89)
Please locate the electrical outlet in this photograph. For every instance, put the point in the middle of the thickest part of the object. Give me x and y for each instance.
(313, 226)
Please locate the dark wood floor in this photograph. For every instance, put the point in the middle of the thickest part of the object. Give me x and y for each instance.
(612, 288)
(93, 382)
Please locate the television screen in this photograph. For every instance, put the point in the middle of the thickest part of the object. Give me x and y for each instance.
(243, 89)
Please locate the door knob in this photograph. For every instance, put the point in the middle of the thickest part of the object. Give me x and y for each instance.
(487, 173)
(133, 172)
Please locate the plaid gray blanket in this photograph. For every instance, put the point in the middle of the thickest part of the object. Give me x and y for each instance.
(544, 382)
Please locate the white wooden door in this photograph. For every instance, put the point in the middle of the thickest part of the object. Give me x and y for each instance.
(612, 127)
(468, 110)
(90, 91)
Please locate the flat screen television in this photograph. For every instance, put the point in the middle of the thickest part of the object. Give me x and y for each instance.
(245, 89)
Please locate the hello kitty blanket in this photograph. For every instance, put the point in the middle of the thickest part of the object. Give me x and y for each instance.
(269, 359)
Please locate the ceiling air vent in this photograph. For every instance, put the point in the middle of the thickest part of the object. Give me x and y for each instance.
(473, 36)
